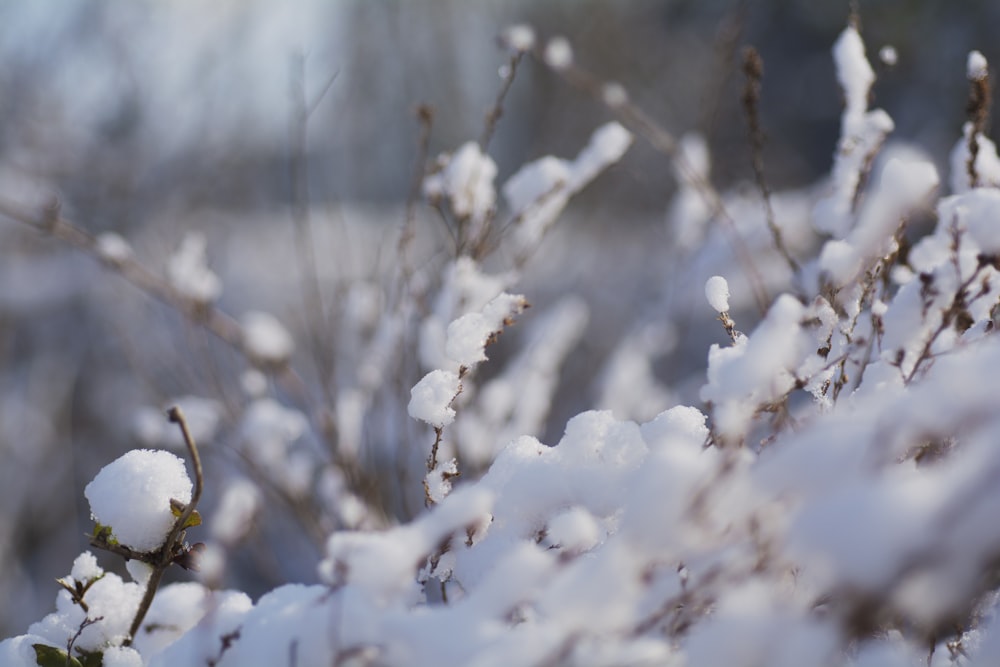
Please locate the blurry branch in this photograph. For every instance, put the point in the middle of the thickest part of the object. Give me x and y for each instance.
(174, 549)
(305, 242)
(753, 69)
(496, 111)
(425, 116)
(663, 141)
(208, 316)
(978, 112)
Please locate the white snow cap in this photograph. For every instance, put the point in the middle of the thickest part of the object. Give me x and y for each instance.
(466, 179)
(112, 248)
(558, 53)
(853, 71)
(520, 38)
(265, 338)
(468, 335)
(188, 272)
(887, 54)
(132, 494)
(976, 68)
(717, 293)
(430, 399)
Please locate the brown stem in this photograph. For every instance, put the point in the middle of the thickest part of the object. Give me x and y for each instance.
(164, 557)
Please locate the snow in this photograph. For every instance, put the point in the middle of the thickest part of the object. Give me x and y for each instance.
(987, 163)
(854, 73)
(121, 656)
(539, 191)
(466, 181)
(85, 568)
(188, 272)
(535, 180)
(717, 293)
(888, 55)
(607, 145)
(430, 399)
(558, 53)
(203, 415)
(112, 248)
(975, 211)
(234, 515)
(575, 530)
(132, 495)
(469, 334)
(520, 38)
(832, 497)
(614, 95)
(976, 67)
(266, 339)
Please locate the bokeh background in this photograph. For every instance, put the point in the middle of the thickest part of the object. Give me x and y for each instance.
(151, 118)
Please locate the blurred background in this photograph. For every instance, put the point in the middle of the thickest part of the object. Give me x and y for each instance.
(152, 118)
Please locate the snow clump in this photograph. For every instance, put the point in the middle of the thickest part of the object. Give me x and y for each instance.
(132, 494)
(717, 293)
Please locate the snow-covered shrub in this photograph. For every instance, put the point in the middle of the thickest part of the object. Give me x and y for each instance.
(830, 500)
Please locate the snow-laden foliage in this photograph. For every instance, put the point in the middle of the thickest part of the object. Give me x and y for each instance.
(831, 500)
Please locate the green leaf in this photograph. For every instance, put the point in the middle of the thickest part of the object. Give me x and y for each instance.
(91, 659)
(193, 520)
(49, 656)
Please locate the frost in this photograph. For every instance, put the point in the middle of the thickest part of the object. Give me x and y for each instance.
(132, 496)
(188, 272)
(717, 293)
(430, 399)
(266, 339)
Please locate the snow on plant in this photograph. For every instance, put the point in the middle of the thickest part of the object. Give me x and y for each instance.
(832, 501)
(188, 270)
(131, 497)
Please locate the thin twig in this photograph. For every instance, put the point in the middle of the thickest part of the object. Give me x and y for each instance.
(663, 141)
(172, 547)
(978, 113)
(305, 242)
(753, 69)
(496, 111)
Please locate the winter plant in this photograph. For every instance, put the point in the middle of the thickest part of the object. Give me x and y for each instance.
(831, 499)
